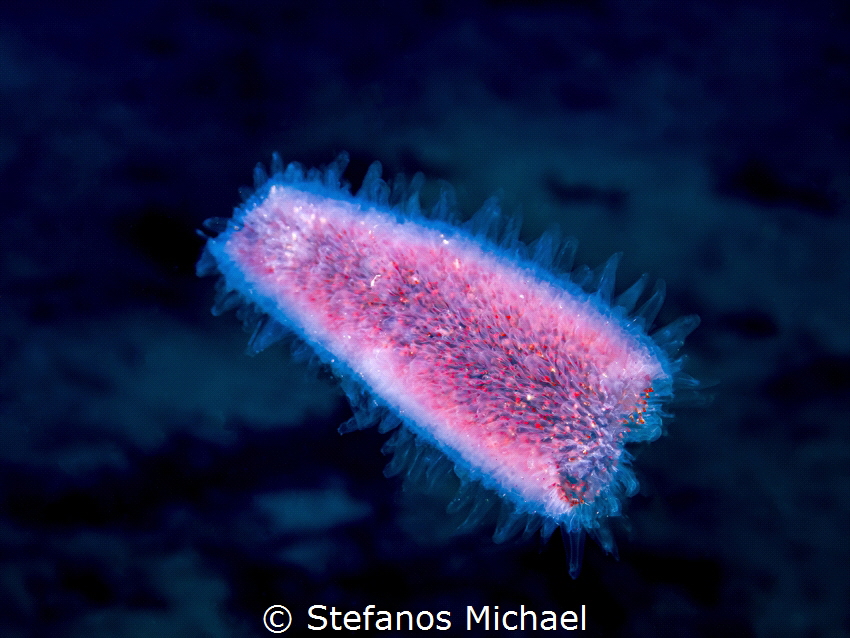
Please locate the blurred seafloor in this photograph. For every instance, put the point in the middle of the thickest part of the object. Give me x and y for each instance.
(156, 481)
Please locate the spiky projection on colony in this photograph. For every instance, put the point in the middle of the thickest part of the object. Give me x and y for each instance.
(529, 381)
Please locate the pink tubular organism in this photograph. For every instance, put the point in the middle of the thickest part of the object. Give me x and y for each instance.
(529, 382)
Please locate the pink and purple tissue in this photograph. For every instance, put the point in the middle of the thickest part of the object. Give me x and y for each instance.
(529, 381)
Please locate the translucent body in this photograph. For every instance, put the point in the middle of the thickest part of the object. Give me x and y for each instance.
(528, 383)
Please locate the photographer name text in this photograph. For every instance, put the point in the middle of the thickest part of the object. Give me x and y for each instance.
(488, 618)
